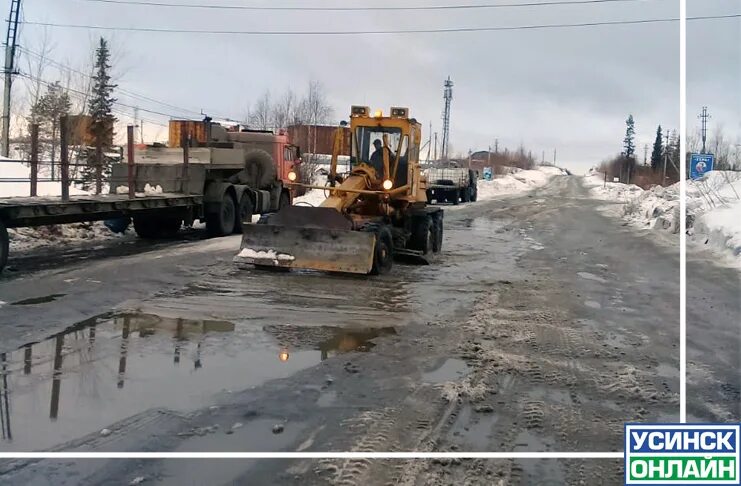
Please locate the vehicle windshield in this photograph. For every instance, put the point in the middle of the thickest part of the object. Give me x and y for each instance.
(367, 139)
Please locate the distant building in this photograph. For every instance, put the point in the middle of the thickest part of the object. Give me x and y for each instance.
(318, 139)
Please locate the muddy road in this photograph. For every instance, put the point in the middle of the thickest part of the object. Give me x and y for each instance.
(543, 326)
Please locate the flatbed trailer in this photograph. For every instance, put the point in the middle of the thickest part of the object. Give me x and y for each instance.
(20, 212)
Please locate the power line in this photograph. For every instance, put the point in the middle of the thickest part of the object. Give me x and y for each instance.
(125, 91)
(379, 32)
(356, 9)
(85, 95)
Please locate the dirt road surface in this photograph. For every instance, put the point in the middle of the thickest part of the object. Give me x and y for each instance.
(543, 326)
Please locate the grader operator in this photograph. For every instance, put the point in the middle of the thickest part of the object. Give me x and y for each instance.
(374, 213)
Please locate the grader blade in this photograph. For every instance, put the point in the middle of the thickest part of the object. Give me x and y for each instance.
(307, 238)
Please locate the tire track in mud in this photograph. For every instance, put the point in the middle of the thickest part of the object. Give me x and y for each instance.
(540, 381)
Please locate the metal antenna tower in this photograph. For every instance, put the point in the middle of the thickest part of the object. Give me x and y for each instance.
(10, 45)
(704, 117)
(448, 96)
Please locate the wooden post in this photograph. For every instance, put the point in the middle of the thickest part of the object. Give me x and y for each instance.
(185, 144)
(34, 159)
(64, 157)
(130, 159)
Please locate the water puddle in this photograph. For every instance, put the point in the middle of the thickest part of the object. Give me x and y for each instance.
(472, 431)
(39, 300)
(452, 369)
(117, 365)
(591, 276)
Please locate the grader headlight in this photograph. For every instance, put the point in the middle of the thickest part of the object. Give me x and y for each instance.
(292, 176)
(387, 185)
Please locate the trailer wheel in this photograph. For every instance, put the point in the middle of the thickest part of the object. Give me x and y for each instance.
(4, 246)
(422, 234)
(474, 194)
(221, 223)
(383, 252)
(244, 214)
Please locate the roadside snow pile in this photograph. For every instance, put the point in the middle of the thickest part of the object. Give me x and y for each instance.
(313, 197)
(61, 234)
(251, 255)
(713, 207)
(516, 181)
(656, 208)
(13, 169)
(714, 211)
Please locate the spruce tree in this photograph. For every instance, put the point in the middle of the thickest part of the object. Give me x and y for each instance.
(101, 110)
(629, 147)
(657, 151)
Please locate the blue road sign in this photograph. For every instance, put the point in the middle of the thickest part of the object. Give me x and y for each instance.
(487, 173)
(700, 164)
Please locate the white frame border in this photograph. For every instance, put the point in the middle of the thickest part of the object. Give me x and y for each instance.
(465, 455)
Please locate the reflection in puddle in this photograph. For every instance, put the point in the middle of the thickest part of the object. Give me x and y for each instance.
(451, 370)
(112, 367)
(39, 300)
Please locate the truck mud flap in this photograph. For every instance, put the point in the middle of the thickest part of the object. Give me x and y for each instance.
(411, 256)
(327, 249)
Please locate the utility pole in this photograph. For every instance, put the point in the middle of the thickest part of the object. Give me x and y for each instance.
(496, 145)
(10, 45)
(136, 119)
(448, 97)
(645, 154)
(666, 155)
(554, 156)
(542, 159)
(435, 155)
(488, 156)
(704, 117)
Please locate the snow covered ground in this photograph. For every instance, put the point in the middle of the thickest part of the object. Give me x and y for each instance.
(713, 207)
(19, 170)
(517, 181)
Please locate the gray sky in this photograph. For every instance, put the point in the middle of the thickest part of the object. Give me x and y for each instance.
(569, 89)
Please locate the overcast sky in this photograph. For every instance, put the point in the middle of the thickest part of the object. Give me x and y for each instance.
(568, 89)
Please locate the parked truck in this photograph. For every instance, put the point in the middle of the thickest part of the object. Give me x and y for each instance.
(238, 172)
(451, 184)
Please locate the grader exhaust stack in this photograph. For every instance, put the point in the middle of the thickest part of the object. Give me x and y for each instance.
(374, 212)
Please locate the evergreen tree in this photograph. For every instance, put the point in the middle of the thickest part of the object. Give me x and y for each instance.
(46, 112)
(629, 147)
(657, 151)
(101, 110)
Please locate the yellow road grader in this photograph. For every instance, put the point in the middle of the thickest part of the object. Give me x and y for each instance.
(375, 212)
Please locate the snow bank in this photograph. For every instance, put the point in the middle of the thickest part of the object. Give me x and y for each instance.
(60, 235)
(713, 207)
(516, 181)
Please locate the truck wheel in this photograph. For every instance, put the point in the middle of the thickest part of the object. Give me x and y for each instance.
(455, 198)
(422, 234)
(244, 213)
(466, 194)
(474, 194)
(221, 223)
(429, 196)
(4, 246)
(383, 252)
(437, 229)
(150, 227)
